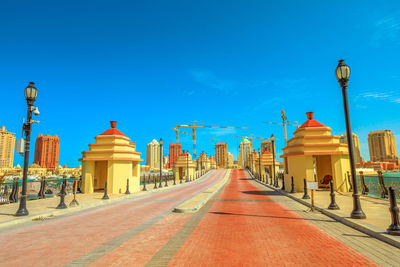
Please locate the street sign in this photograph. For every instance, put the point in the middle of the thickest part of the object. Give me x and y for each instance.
(312, 185)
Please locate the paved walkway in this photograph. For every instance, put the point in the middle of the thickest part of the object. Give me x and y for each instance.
(243, 225)
(43, 208)
(84, 237)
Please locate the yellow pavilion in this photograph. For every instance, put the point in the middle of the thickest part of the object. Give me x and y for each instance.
(315, 152)
(184, 167)
(112, 158)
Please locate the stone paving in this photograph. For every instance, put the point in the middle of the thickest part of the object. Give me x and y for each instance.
(43, 208)
(244, 224)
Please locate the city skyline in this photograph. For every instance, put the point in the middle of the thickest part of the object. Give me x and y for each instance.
(261, 57)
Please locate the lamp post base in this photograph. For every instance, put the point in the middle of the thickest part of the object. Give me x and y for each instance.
(22, 212)
(357, 212)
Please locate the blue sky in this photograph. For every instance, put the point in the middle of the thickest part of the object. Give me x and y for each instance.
(153, 64)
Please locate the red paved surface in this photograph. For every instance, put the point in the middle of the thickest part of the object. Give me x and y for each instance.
(141, 248)
(260, 233)
(58, 242)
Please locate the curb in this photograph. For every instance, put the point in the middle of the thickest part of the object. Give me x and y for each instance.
(70, 210)
(203, 201)
(340, 217)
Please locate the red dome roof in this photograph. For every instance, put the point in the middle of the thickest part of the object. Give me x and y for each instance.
(267, 152)
(310, 122)
(113, 130)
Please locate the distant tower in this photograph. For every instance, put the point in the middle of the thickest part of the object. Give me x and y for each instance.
(382, 146)
(221, 154)
(245, 150)
(356, 143)
(7, 144)
(230, 160)
(47, 151)
(153, 155)
(175, 149)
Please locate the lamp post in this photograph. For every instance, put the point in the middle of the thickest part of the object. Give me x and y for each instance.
(273, 158)
(259, 164)
(30, 96)
(187, 166)
(161, 162)
(342, 74)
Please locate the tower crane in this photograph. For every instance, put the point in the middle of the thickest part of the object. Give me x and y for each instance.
(284, 123)
(177, 131)
(194, 126)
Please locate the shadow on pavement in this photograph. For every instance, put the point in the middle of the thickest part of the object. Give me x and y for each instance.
(265, 216)
(260, 193)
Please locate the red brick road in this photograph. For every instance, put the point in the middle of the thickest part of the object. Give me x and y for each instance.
(243, 228)
(58, 242)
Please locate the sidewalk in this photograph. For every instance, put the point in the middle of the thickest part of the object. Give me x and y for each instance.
(45, 208)
(377, 212)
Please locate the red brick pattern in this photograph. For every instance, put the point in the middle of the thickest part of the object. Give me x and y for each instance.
(239, 232)
(58, 242)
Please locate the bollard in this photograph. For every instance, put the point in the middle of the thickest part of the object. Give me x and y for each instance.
(11, 198)
(349, 180)
(333, 205)
(155, 182)
(174, 179)
(16, 192)
(364, 187)
(5, 193)
(394, 228)
(293, 191)
(384, 193)
(105, 192)
(305, 196)
(74, 202)
(166, 180)
(62, 205)
(144, 183)
(127, 187)
(40, 190)
(42, 194)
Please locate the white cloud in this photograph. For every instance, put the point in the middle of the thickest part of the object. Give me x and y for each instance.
(392, 96)
(385, 29)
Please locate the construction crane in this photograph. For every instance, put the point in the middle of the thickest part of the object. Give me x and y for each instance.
(177, 131)
(284, 123)
(194, 126)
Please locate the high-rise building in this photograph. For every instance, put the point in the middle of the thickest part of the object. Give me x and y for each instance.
(266, 146)
(175, 149)
(221, 154)
(230, 159)
(245, 150)
(153, 154)
(356, 144)
(7, 145)
(382, 146)
(47, 151)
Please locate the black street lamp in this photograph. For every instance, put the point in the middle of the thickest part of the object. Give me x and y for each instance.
(30, 96)
(273, 158)
(187, 166)
(342, 74)
(259, 164)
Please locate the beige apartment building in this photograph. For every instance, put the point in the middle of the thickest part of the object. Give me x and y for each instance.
(221, 154)
(245, 150)
(230, 160)
(356, 144)
(153, 155)
(7, 145)
(382, 146)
